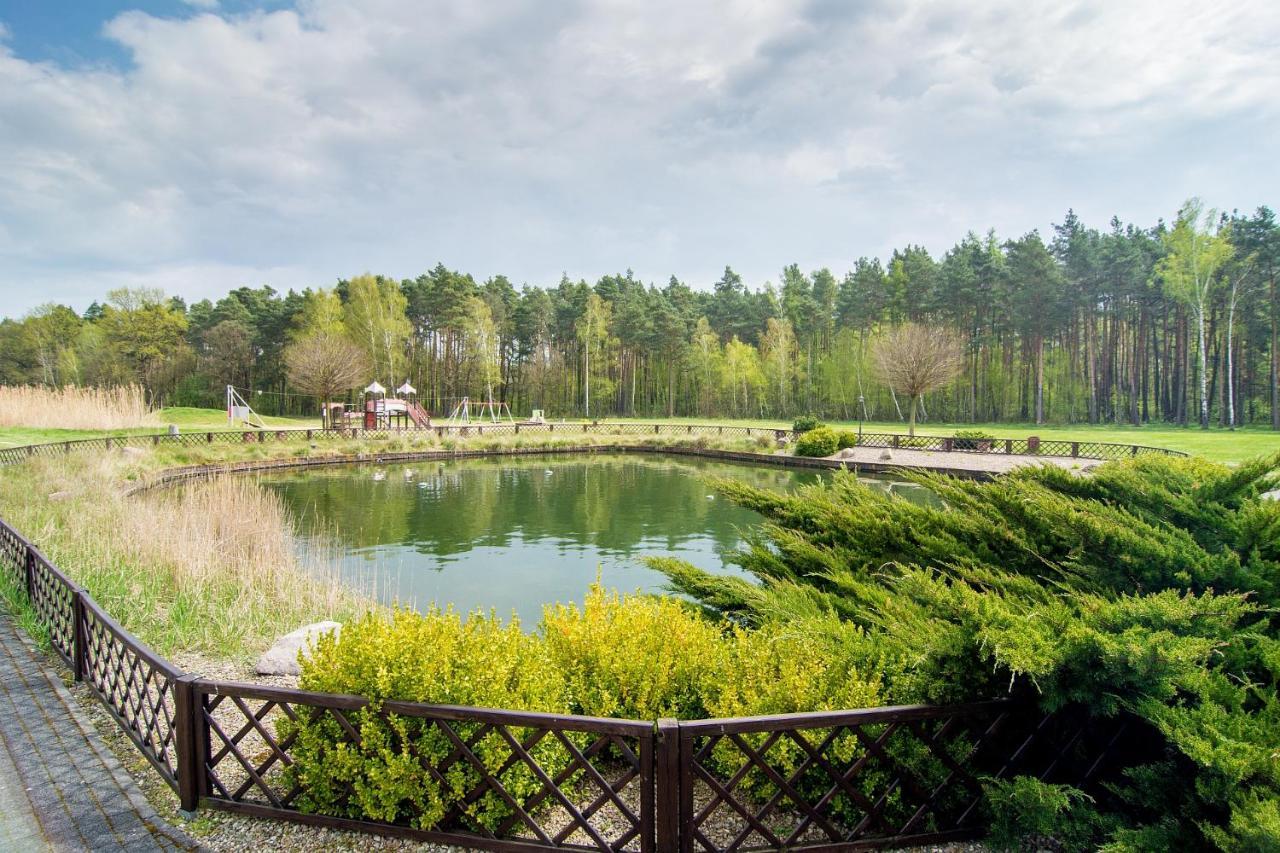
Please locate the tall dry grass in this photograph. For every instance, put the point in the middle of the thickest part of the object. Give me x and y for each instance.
(230, 536)
(124, 407)
(207, 571)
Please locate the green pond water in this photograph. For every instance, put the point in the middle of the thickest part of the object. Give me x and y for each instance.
(513, 534)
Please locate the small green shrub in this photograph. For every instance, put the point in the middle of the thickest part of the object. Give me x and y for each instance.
(973, 439)
(817, 442)
(805, 423)
(1027, 814)
(846, 438)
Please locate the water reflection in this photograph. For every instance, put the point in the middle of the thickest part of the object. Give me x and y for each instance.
(514, 533)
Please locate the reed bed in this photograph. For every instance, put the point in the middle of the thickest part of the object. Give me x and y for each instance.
(122, 407)
(208, 569)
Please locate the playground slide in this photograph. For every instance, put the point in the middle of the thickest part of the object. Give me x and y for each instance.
(418, 415)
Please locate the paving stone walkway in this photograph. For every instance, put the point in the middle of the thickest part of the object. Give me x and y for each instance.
(61, 789)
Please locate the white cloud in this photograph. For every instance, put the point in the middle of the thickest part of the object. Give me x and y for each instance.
(529, 138)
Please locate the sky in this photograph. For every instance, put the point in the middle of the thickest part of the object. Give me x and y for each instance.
(204, 145)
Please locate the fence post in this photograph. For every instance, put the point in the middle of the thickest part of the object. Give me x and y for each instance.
(1135, 450)
(187, 743)
(895, 441)
(31, 576)
(655, 429)
(1008, 446)
(79, 651)
(1075, 449)
(666, 772)
(208, 438)
(948, 445)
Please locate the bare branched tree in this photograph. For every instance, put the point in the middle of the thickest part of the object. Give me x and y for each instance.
(325, 363)
(914, 360)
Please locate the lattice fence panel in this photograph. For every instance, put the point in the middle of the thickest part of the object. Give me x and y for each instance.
(136, 687)
(53, 598)
(556, 782)
(860, 778)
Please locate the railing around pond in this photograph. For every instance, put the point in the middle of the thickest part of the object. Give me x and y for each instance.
(1029, 446)
(826, 780)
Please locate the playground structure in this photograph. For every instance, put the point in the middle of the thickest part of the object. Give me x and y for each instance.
(239, 410)
(378, 411)
(486, 412)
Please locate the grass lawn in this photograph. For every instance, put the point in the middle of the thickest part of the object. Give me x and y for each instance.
(186, 419)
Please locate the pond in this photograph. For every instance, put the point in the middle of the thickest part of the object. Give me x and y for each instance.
(514, 533)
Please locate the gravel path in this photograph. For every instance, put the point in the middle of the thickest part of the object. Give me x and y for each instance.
(873, 459)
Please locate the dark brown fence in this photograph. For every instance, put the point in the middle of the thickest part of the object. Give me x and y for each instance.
(820, 781)
(1013, 446)
(525, 781)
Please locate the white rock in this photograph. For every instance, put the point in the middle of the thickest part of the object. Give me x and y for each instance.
(282, 657)
(886, 456)
(1273, 495)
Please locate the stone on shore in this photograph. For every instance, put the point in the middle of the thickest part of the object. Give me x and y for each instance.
(282, 657)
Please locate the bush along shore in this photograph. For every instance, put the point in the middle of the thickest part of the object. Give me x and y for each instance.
(1148, 588)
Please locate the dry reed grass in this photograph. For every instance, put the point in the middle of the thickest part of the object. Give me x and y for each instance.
(230, 532)
(124, 407)
(208, 569)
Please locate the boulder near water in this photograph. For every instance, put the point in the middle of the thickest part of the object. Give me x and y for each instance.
(282, 657)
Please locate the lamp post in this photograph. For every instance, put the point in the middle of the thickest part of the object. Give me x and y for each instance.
(862, 411)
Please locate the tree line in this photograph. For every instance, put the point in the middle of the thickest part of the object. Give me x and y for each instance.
(1173, 323)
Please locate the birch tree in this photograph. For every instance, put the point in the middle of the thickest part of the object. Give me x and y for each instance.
(1197, 249)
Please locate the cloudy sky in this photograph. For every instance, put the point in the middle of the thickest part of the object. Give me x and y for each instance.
(204, 145)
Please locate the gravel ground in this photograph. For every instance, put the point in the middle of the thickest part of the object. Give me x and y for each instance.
(990, 463)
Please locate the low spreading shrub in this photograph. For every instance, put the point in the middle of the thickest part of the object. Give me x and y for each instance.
(1149, 589)
(1027, 814)
(821, 441)
(804, 423)
(973, 439)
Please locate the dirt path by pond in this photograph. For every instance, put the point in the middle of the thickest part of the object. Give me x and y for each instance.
(954, 462)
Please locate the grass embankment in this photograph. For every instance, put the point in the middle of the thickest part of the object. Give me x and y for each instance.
(208, 569)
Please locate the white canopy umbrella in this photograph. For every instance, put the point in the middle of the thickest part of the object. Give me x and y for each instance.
(406, 389)
(375, 388)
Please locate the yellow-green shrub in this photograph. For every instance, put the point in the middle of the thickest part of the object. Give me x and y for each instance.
(782, 669)
(636, 656)
(434, 657)
(633, 656)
